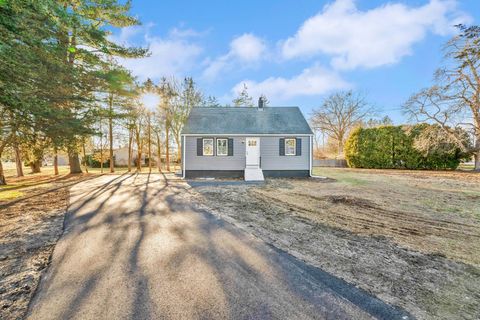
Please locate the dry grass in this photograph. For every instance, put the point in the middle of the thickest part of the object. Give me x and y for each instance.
(432, 212)
(410, 237)
(23, 186)
(32, 210)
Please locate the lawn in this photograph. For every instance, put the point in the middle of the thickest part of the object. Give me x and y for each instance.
(410, 237)
(32, 209)
(30, 183)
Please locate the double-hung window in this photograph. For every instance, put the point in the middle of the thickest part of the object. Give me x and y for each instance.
(222, 147)
(208, 147)
(290, 147)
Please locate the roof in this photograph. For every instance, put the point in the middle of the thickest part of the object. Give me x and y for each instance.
(246, 120)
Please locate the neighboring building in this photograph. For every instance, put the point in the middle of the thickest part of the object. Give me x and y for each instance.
(62, 159)
(120, 156)
(246, 142)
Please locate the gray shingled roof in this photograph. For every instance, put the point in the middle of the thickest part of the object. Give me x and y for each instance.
(246, 120)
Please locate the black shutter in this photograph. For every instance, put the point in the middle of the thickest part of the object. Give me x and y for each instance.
(298, 145)
(281, 146)
(230, 147)
(199, 147)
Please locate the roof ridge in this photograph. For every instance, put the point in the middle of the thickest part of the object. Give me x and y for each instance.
(281, 120)
(244, 107)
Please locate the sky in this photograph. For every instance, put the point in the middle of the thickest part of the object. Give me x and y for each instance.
(297, 52)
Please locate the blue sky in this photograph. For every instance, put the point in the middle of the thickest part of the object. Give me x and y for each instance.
(298, 51)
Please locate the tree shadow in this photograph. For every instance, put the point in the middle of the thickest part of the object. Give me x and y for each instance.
(180, 261)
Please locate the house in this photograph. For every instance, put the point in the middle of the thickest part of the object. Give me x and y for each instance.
(120, 156)
(246, 142)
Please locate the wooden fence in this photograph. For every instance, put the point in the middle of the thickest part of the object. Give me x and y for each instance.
(339, 163)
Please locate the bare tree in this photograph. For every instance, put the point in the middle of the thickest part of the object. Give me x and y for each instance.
(188, 96)
(243, 99)
(454, 101)
(339, 113)
(167, 93)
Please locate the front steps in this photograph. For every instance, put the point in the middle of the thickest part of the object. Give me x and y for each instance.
(253, 174)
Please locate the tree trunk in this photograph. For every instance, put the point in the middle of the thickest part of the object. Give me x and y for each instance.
(178, 141)
(55, 162)
(477, 161)
(18, 161)
(35, 166)
(2, 147)
(149, 145)
(74, 162)
(159, 153)
(477, 153)
(101, 147)
(139, 147)
(341, 136)
(110, 131)
(84, 157)
(2, 175)
(130, 138)
(167, 148)
(340, 151)
(139, 161)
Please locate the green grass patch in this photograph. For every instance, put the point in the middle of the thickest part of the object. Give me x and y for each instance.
(10, 194)
(341, 175)
(465, 166)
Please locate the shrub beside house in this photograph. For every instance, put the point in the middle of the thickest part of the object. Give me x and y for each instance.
(421, 146)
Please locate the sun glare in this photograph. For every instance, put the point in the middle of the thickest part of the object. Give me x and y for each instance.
(150, 101)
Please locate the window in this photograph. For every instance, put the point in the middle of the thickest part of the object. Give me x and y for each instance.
(290, 147)
(252, 143)
(208, 147)
(222, 147)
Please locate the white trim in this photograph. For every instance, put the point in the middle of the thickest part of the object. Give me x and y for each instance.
(183, 157)
(310, 159)
(247, 135)
(257, 145)
(216, 145)
(294, 146)
(203, 147)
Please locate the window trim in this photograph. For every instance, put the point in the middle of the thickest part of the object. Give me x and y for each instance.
(294, 147)
(203, 147)
(226, 145)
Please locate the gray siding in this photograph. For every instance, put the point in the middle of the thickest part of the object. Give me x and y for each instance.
(194, 162)
(269, 152)
(271, 160)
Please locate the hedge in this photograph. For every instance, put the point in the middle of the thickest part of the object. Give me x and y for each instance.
(394, 147)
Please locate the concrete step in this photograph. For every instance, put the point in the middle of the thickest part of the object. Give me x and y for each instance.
(253, 174)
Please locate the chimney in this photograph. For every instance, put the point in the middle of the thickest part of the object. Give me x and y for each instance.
(261, 103)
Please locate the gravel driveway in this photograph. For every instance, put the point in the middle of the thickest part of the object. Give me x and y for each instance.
(136, 247)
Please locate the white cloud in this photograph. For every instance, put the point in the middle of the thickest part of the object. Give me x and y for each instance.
(187, 33)
(126, 34)
(174, 54)
(245, 49)
(372, 38)
(312, 81)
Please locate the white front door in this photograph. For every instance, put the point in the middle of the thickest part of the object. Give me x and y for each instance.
(252, 152)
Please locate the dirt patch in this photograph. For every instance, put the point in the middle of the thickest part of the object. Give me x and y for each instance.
(29, 229)
(377, 235)
(350, 201)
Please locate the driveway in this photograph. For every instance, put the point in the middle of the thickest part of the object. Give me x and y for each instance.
(136, 247)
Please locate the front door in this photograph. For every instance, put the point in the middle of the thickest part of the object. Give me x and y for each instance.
(252, 152)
